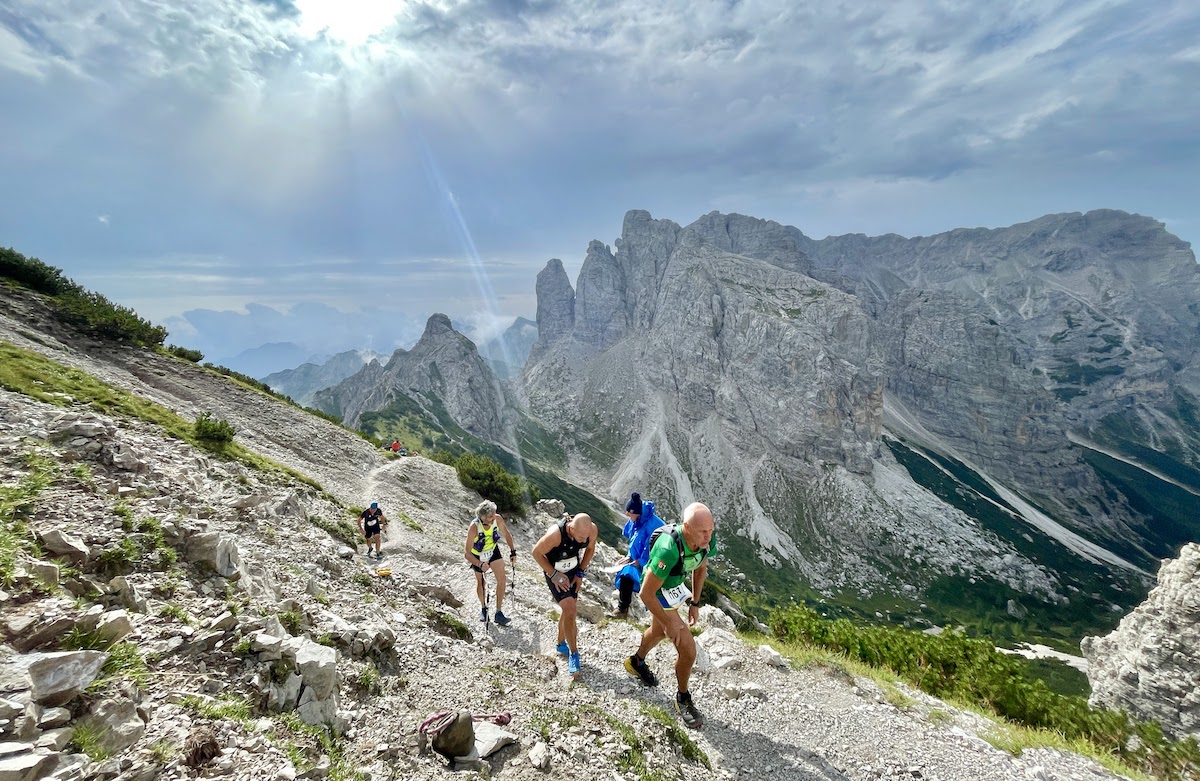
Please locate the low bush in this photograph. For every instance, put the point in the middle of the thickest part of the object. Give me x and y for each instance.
(213, 430)
(195, 356)
(953, 665)
(490, 480)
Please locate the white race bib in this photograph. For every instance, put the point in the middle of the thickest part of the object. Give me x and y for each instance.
(566, 565)
(674, 597)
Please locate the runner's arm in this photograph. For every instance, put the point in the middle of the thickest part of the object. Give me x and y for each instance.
(542, 549)
(651, 583)
(588, 553)
(512, 546)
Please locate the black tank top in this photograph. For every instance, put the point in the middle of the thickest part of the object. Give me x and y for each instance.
(568, 554)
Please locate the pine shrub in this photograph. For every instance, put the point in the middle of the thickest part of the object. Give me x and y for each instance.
(195, 356)
(212, 430)
(953, 665)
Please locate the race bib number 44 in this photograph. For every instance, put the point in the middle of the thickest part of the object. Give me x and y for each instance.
(674, 597)
(566, 565)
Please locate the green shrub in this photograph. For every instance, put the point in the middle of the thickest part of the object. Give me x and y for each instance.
(163, 753)
(213, 430)
(291, 621)
(442, 456)
(950, 665)
(195, 356)
(172, 610)
(245, 379)
(326, 415)
(368, 679)
(120, 558)
(33, 273)
(125, 513)
(228, 707)
(342, 529)
(489, 479)
(94, 314)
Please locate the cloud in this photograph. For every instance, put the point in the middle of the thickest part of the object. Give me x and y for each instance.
(315, 327)
(312, 150)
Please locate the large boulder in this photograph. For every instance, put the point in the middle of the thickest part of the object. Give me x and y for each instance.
(215, 549)
(1150, 664)
(52, 679)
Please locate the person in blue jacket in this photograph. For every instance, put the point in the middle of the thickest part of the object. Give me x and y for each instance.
(641, 524)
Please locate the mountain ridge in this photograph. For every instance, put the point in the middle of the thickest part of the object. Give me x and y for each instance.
(261, 579)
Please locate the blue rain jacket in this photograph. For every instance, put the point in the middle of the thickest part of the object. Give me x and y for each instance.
(638, 532)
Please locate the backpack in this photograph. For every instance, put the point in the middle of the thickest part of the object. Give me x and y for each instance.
(450, 734)
(677, 570)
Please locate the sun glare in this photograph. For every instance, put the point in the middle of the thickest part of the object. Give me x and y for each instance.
(350, 23)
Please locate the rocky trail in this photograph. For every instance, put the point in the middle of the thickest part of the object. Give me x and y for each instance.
(269, 621)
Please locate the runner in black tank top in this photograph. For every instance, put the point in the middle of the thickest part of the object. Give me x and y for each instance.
(563, 553)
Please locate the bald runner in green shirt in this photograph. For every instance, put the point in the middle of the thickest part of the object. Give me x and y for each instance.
(671, 583)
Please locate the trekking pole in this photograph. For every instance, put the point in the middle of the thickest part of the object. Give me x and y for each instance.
(487, 601)
(512, 582)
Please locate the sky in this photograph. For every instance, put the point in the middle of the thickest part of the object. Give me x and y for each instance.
(330, 173)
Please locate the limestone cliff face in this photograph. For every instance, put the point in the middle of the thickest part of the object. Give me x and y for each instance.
(753, 386)
(754, 238)
(774, 355)
(953, 367)
(740, 361)
(555, 305)
(1105, 304)
(601, 319)
(1150, 664)
(442, 367)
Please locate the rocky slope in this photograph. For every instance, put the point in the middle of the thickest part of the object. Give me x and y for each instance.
(1149, 665)
(253, 618)
(443, 370)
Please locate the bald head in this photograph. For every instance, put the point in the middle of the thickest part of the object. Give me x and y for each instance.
(698, 525)
(581, 527)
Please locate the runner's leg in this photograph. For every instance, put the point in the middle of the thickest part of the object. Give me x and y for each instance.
(685, 644)
(568, 627)
(651, 637)
(479, 589)
(497, 568)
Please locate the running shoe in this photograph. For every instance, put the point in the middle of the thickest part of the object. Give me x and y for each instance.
(640, 670)
(501, 619)
(692, 718)
(562, 648)
(573, 664)
(483, 614)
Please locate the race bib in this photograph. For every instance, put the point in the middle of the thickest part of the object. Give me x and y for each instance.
(566, 565)
(674, 597)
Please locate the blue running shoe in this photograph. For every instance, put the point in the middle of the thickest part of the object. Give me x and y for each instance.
(573, 664)
(501, 619)
(562, 648)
